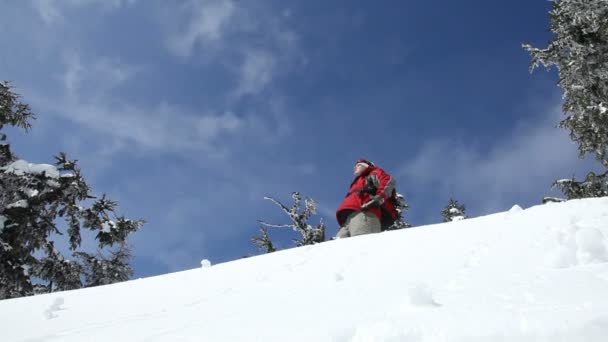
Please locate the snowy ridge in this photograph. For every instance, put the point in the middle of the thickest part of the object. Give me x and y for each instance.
(539, 274)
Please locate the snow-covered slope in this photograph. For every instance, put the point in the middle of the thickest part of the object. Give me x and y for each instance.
(539, 274)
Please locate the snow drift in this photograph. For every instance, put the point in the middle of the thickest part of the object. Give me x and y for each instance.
(539, 274)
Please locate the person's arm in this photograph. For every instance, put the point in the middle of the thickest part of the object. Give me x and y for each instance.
(385, 184)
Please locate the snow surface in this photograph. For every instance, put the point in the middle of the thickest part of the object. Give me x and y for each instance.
(539, 274)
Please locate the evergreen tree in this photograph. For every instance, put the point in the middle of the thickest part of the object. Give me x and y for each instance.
(100, 269)
(579, 50)
(592, 186)
(59, 273)
(34, 200)
(454, 211)
(401, 207)
(299, 222)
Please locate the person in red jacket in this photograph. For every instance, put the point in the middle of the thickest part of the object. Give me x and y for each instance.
(367, 207)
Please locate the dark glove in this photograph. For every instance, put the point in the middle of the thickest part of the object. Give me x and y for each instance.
(368, 189)
(374, 202)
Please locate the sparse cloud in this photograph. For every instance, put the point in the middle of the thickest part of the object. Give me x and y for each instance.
(51, 11)
(520, 166)
(101, 74)
(158, 127)
(207, 22)
(247, 40)
(163, 128)
(47, 10)
(255, 72)
(89, 95)
(199, 28)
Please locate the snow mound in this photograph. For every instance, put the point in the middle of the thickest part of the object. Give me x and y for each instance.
(421, 295)
(50, 313)
(516, 208)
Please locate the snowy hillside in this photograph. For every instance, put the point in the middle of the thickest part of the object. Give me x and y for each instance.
(539, 274)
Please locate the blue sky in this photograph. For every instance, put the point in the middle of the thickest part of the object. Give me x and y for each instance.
(190, 112)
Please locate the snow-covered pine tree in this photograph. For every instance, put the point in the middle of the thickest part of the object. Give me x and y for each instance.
(36, 202)
(308, 234)
(454, 211)
(592, 186)
(401, 207)
(579, 50)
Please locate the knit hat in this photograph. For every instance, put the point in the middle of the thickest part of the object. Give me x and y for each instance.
(364, 161)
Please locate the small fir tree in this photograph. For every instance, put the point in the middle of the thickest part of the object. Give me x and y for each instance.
(401, 207)
(454, 211)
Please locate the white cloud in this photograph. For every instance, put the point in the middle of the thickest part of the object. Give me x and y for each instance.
(47, 10)
(89, 86)
(165, 127)
(101, 74)
(89, 98)
(255, 72)
(521, 166)
(208, 20)
(73, 75)
(251, 41)
(51, 11)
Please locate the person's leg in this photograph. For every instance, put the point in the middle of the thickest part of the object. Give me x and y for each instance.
(364, 222)
(343, 233)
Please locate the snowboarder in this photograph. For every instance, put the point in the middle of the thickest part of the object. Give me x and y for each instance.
(368, 206)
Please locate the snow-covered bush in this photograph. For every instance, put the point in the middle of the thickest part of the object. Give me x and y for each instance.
(454, 211)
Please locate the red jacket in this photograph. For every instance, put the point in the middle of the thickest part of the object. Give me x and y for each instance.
(382, 184)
